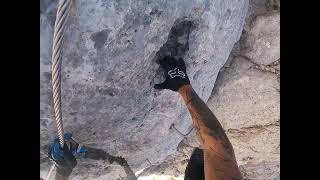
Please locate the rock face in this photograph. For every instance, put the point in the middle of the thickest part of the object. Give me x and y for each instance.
(263, 42)
(247, 103)
(255, 93)
(263, 170)
(245, 99)
(246, 96)
(109, 67)
(174, 166)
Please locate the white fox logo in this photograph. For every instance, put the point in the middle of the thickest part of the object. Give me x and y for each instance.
(176, 72)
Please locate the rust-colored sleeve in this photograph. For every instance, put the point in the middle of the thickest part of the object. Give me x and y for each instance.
(219, 158)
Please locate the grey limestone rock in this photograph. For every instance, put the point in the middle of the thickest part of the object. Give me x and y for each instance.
(247, 103)
(109, 67)
(245, 100)
(265, 170)
(245, 96)
(263, 39)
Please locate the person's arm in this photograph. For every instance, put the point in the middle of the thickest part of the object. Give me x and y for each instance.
(219, 158)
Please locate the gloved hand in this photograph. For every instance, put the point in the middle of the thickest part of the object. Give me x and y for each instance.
(64, 158)
(176, 75)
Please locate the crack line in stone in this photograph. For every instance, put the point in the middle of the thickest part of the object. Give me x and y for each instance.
(98, 154)
(184, 135)
(265, 68)
(253, 127)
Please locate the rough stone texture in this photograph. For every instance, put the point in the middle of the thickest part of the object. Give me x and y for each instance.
(246, 97)
(175, 164)
(109, 69)
(246, 101)
(263, 39)
(248, 90)
(256, 144)
(259, 7)
(263, 170)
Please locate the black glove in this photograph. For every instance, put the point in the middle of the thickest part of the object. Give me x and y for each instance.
(176, 75)
(63, 157)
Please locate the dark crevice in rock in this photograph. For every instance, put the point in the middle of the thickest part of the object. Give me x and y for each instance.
(178, 40)
(99, 38)
(98, 154)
